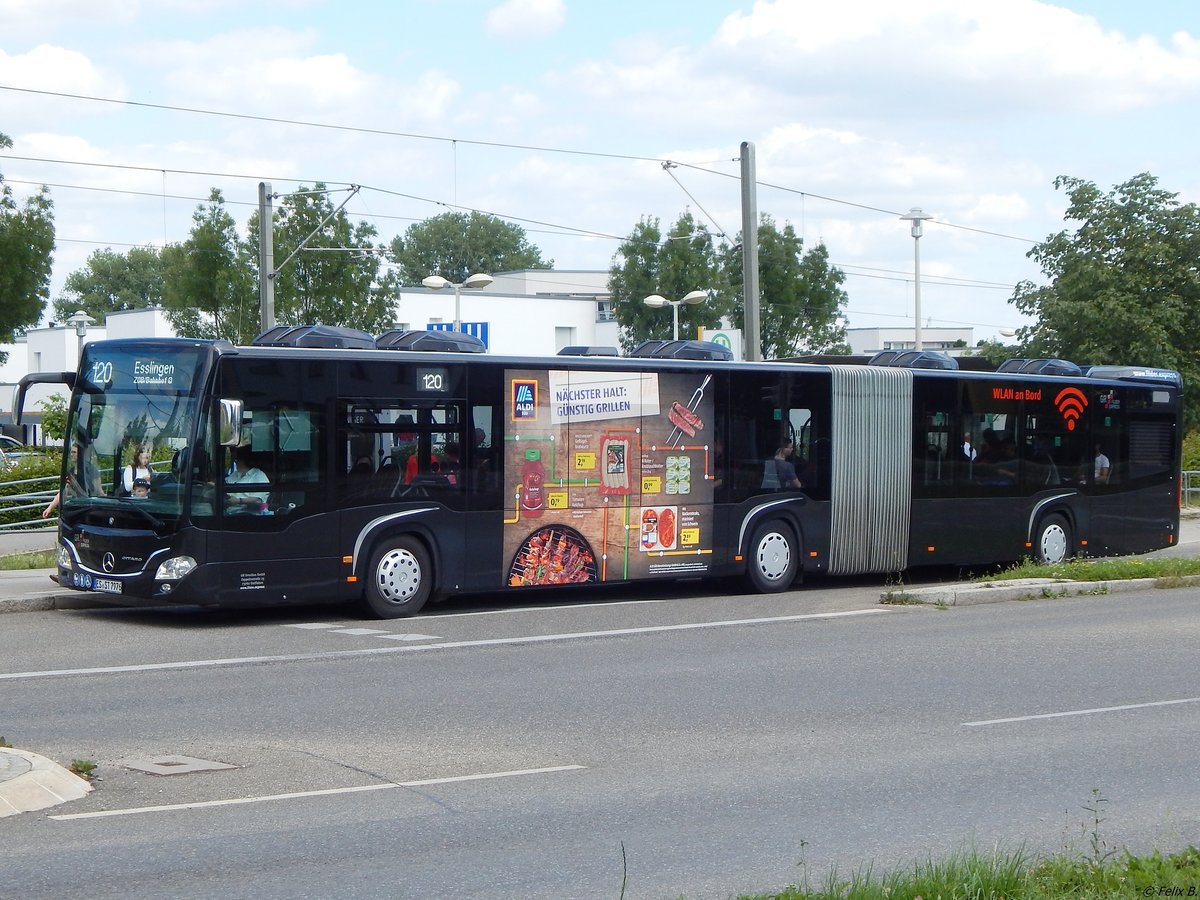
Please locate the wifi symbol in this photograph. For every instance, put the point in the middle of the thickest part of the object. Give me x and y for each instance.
(1071, 402)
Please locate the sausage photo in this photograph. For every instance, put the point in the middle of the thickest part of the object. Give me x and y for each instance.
(684, 419)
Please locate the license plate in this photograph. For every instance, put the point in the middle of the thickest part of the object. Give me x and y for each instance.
(108, 586)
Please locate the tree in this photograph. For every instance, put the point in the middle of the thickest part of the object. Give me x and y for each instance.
(112, 281)
(457, 245)
(646, 264)
(1124, 285)
(802, 301)
(26, 249)
(208, 289)
(334, 279)
(54, 417)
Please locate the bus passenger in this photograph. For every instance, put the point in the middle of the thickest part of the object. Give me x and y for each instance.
(139, 468)
(1102, 466)
(786, 469)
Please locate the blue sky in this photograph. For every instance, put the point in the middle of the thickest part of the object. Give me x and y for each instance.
(556, 114)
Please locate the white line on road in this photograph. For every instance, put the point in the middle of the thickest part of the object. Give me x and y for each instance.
(329, 792)
(421, 648)
(437, 617)
(1082, 712)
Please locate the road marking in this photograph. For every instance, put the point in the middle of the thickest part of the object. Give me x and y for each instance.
(328, 792)
(420, 648)
(359, 632)
(1082, 712)
(373, 632)
(525, 609)
(410, 636)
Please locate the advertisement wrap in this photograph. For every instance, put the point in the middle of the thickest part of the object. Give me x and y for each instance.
(608, 476)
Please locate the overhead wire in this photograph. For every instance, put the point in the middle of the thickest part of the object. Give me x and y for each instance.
(667, 166)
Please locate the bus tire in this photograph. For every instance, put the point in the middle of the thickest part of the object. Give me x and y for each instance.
(774, 557)
(1053, 543)
(399, 580)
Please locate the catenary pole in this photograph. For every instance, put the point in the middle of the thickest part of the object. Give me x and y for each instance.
(750, 253)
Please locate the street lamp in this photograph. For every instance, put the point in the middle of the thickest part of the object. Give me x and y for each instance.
(916, 217)
(437, 283)
(691, 297)
(81, 320)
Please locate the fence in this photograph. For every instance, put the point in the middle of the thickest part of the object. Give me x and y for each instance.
(1191, 488)
(26, 506)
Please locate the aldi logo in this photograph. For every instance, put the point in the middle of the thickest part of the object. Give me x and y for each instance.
(524, 399)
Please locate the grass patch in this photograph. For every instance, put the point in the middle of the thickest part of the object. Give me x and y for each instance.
(1011, 876)
(83, 768)
(1119, 569)
(34, 559)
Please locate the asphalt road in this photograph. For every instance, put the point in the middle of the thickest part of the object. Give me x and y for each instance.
(721, 743)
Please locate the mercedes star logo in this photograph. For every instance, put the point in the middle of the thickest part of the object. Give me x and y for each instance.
(109, 562)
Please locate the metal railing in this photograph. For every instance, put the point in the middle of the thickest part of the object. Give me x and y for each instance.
(30, 502)
(1191, 488)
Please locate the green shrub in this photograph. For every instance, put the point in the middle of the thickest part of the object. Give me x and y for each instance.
(42, 464)
(1191, 452)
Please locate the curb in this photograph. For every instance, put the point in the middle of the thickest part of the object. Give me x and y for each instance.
(31, 590)
(30, 782)
(1024, 589)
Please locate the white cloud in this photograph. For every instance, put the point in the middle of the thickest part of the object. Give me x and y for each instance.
(977, 57)
(50, 68)
(526, 19)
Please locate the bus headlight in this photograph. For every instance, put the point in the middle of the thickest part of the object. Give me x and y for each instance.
(64, 557)
(175, 568)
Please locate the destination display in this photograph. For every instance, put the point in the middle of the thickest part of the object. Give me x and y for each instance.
(608, 476)
(146, 371)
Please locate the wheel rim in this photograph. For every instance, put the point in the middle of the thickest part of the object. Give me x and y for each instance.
(1054, 544)
(398, 576)
(774, 556)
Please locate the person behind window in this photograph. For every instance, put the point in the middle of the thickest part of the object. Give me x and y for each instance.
(362, 466)
(451, 462)
(968, 450)
(141, 489)
(80, 481)
(243, 472)
(786, 469)
(139, 468)
(1101, 466)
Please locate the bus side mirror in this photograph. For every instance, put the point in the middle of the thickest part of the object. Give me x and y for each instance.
(231, 423)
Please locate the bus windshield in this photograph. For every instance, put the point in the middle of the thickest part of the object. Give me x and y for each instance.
(129, 428)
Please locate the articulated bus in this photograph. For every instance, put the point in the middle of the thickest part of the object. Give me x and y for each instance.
(393, 477)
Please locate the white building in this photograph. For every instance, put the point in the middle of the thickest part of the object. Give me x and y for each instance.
(869, 341)
(532, 312)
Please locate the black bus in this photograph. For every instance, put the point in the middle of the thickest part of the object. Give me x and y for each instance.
(392, 477)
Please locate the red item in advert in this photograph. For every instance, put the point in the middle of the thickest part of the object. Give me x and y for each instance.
(533, 474)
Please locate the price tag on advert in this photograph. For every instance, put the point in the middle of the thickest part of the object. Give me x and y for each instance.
(556, 500)
(585, 461)
(652, 484)
(689, 536)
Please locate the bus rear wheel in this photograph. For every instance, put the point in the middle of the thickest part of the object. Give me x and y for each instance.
(400, 579)
(1053, 543)
(774, 558)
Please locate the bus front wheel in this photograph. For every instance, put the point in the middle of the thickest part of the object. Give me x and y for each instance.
(400, 579)
(774, 558)
(1053, 544)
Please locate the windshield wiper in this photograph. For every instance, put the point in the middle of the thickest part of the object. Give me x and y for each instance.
(155, 522)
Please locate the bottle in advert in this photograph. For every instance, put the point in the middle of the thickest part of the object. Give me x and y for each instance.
(533, 473)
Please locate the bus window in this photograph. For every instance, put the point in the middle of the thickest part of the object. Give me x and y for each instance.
(418, 446)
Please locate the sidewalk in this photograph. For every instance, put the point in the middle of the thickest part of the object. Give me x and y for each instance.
(32, 590)
(29, 782)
